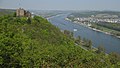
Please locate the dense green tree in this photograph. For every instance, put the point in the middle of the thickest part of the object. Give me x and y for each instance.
(101, 49)
(114, 58)
(78, 40)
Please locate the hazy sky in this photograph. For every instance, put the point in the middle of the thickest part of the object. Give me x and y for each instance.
(62, 4)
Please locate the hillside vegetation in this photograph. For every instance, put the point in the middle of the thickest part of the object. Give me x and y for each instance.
(34, 42)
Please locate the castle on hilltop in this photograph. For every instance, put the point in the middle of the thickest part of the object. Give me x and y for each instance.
(22, 13)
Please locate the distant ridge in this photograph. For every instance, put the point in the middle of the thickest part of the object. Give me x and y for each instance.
(6, 11)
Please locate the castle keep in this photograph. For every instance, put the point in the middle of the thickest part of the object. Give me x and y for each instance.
(22, 13)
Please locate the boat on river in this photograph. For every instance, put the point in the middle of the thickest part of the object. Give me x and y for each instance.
(74, 29)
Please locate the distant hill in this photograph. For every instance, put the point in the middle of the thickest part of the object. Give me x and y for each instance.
(6, 11)
(89, 13)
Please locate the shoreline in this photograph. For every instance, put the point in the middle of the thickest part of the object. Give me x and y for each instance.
(53, 16)
(94, 29)
(104, 32)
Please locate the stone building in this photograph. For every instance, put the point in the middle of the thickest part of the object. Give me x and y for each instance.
(28, 14)
(22, 13)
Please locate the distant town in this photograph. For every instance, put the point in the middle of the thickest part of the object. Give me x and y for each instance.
(98, 18)
(106, 22)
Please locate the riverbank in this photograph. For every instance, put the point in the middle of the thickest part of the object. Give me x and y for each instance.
(52, 16)
(95, 29)
(103, 32)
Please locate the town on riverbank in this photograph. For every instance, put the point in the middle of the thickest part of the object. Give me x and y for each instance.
(105, 22)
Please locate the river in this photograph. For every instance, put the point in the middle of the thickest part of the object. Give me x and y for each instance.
(110, 43)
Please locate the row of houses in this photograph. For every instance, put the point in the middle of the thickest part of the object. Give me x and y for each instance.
(90, 19)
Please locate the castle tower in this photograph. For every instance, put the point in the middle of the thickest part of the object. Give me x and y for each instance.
(20, 12)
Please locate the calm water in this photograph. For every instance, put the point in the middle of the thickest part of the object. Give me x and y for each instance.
(110, 43)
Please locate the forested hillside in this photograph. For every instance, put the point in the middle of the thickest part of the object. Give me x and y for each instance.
(35, 43)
